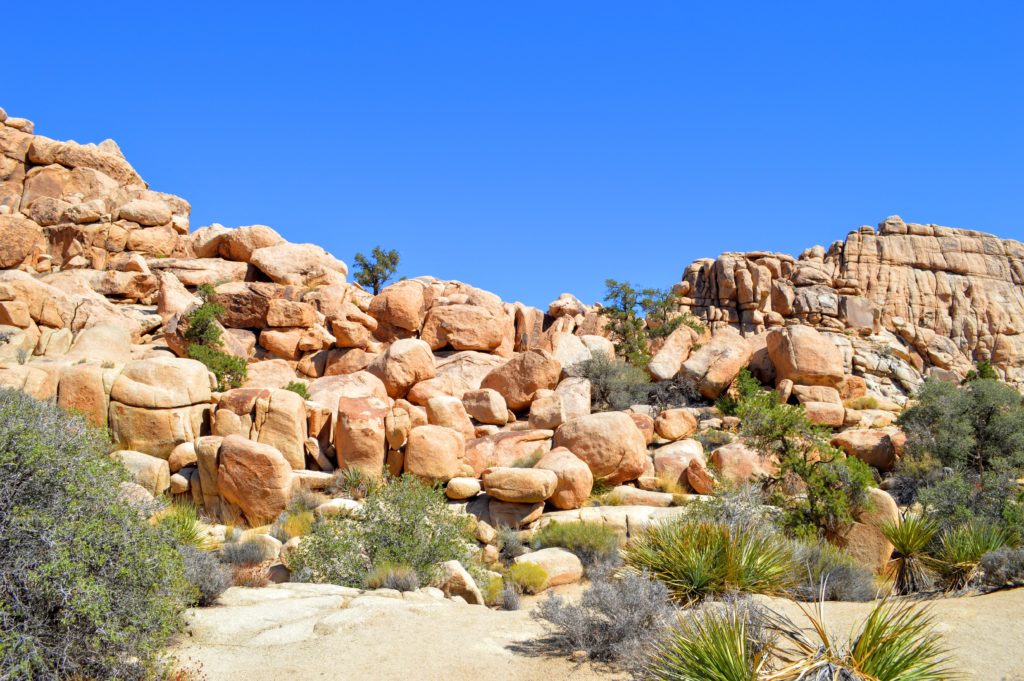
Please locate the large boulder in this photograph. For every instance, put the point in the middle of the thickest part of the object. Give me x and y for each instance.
(22, 238)
(155, 431)
(609, 443)
(360, 437)
(462, 327)
(328, 390)
(738, 464)
(520, 485)
(574, 479)
(405, 363)
(672, 460)
(667, 362)
(436, 454)
(400, 309)
(562, 567)
(145, 470)
(239, 244)
(873, 447)
(162, 382)
(486, 406)
(716, 364)
(521, 377)
(254, 477)
(449, 412)
(457, 374)
(675, 424)
(804, 356)
(299, 265)
(508, 448)
(865, 540)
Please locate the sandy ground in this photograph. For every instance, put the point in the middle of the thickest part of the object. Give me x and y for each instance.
(308, 632)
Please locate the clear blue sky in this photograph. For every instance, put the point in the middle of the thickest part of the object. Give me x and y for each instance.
(536, 147)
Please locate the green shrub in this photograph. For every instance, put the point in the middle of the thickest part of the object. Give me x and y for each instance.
(299, 388)
(745, 387)
(636, 316)
(403, 522)
(201, 322)
(353, 482)
(697, 560)
(88, 589)
(960, 498)
(717, 644)
(229, 370)
(862, 402)
(983, 370)
(593, 543)
(911, 539)
(510, 543)
(614, 384)
(373, 274)
(295, 523)
(528, 577)
(390, 576)
(829, 573)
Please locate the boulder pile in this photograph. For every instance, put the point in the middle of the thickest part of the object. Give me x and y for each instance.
(440, 379)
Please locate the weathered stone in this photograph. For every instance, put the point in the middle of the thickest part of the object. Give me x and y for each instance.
(360, 438)
(161, 383)
(255, 477)
(150, 472)
(522, 376)
(804, 356)
(668, 361)
(447, 411)
(462, 488)
(436, 454)
(609, 443)
(873, 447)
(455, 581)
(462, 327)
(574, 479)
(520, 485)
(716, 364)
(865, 540)
(675, 424)
(737, 464)
(486, 406)
(562, 567)
(299, 265)
(405, 363)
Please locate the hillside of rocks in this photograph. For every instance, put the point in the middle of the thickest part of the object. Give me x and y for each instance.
(444, 380)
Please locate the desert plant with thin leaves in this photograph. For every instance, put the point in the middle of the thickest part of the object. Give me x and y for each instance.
(911, 567)
(961, 549)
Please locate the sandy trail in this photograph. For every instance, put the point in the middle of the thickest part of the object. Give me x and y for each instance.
(324, 632)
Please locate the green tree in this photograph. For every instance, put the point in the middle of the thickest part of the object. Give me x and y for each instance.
(835, 486)
(205, 341)
(88, 588)
(374, 272)
(983, 370)
(639, 315)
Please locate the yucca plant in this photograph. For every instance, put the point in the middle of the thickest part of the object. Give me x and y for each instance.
(897, 642)
(909, 567)
(697, 559)
(712, 645)
(182, 523)
(961, 548)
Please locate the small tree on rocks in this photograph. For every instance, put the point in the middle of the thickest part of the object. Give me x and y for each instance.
(374, 272)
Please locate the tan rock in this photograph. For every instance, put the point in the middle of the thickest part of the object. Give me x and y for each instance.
(147, 471)
(668, 361)
(400, 309)
(85, 388)
(864, 540)
(449, 412)
(405, 363)
(436, 454)
(609, 443)
(737, 464)
(574, 479)
(22, 238)
(645, 423)
(699, 478)
(299, 265)
(329, 389)
(155, 431)
(360, 438)
(462, 488)
(522, 376)
(455, 581)
(486, 406)
(255, 477)
(462, 327)
(575, 392)
(239, 244)
(675, 424)
(825, 413)
(161, 383)
(149, 213)
(519, 485)
(716, 364)
(546, 411)
(513, 515)
(508, 448)
(816, 393)
(873, 447)
(631, 496)
(805, 356)
(281, 312)
(456, 375)
(672, 460)
(562, 567)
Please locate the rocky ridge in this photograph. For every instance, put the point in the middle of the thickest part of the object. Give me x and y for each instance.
(441, 379)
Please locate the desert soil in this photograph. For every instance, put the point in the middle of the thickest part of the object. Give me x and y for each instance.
(323, 632)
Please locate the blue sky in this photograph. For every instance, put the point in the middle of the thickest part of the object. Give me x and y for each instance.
(532, 148)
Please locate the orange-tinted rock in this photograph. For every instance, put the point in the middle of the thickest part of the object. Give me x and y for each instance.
(255, 477)
(436, 454)
(805, 357)
(609, 443)
(737, 464)
(675, 424)
(520, 485)
(360, 436)
(405, 363)
(574, 479)
(522, 376)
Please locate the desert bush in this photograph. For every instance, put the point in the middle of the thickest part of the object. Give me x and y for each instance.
(697, 560)
(204, 338)
(88, 588)
(741, 508)
(984, 370)
(960, 550)
(1003, 568)
(510, 543)
(614, 621)
(389, 576)
(403, 522)
(593, 543)
(614, 384)
(304, 499)
(252, 576)
(299, 388)
(353, 482)
(208, 577)
(297, 523)
(509, 595)
(229, 370)
(911, 539)
(961, 498)
(862, 402)
(245, 552)
(528, 577)
(713, 438)
(829, 573)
